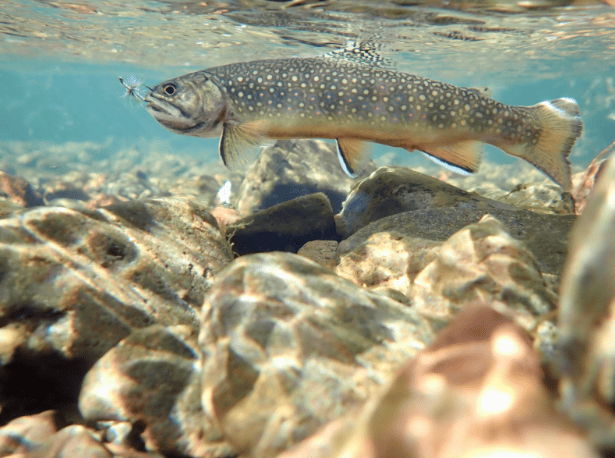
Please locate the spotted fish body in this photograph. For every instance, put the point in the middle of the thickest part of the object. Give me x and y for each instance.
(353, 103)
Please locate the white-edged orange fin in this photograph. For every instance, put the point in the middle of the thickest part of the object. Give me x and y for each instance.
(559, 125)
(353, 155)
(240, 143)
(462, 157)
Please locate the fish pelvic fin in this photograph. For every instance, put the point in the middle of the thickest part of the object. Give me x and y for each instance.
(353, 155)
(462, 157)
(240, 143)
(560, 125)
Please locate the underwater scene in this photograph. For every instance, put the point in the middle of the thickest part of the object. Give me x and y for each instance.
(307, 228)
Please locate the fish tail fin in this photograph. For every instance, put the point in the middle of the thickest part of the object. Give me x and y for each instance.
(560, 125)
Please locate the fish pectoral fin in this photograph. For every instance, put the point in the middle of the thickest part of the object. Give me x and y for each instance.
(240, 143)
(462, 157)
(353, 155)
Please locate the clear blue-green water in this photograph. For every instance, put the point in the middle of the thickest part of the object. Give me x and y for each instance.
(60, 61)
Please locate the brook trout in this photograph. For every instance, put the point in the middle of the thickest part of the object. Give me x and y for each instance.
(325, 97)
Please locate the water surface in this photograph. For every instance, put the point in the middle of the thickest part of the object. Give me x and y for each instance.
(59, 61)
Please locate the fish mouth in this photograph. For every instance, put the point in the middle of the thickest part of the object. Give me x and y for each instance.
(167, 114)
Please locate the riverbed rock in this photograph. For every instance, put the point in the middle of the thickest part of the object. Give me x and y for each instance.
(545, 235)
(476, 391)
(391, 190)
(284, 227)
(294, 168)
(155, 378)
(416, 205)
(324, 252)
(587, 315)
(288, 346)
(73, 284)
(42, 436)
(18, 191)
(386, 259)
(584, 182)
(483, 263)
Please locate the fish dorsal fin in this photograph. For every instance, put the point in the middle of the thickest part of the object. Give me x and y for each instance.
(353, 155)
(240, 143)
(461, 157)
(363, 53)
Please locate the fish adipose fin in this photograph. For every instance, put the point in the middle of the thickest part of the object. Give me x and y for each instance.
(461, 157)
(353, 155)
(240, 143)
(560, 125)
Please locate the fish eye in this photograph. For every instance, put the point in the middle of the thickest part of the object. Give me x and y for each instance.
(169, 89)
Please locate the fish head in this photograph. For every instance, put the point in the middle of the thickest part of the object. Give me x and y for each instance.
(191, 105)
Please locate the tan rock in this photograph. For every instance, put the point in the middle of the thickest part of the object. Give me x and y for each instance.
(483, 263)
(74, 283)
(152, 377)
(586, 314)
(476, 391)
(19, 191)
(584, 182)
(386, 259)
(324, 252)
(288, 346)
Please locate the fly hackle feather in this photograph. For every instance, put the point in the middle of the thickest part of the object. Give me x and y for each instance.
(133, 88)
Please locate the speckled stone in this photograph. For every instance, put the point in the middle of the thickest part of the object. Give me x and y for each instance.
(18, 191)
(37, 436)
(387, 259)
(584, 182)
(540, 198)
(284, 227)
(476, 391)
(324, 252)
(483, 263)
(288, 346)
(587, 315)
(155, 378)
(73, 284)
(294, 168)
(545, 235)
(391, 190)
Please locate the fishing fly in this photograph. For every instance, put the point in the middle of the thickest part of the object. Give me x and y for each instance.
(133, 88)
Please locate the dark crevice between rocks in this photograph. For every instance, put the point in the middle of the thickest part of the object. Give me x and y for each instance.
(32, 384)
(26, 311)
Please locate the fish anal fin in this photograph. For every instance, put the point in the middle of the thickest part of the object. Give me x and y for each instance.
(353, 155)
(240, 142)
(462, 157)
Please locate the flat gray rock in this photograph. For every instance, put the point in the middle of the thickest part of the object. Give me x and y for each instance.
(545, 235)
(291, 169)
(284, 227)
